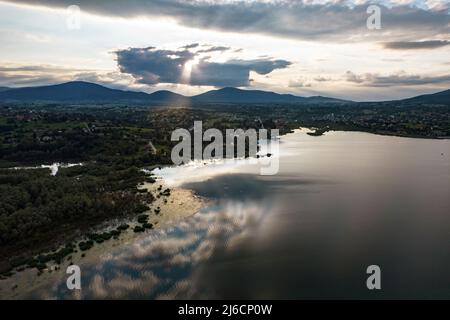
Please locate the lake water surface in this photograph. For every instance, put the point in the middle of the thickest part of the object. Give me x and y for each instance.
(341, 202)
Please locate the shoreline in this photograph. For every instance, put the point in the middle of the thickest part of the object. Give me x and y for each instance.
(181, 204)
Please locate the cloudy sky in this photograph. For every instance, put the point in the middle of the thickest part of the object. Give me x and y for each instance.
(304, 47)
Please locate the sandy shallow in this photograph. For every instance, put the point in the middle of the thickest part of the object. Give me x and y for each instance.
(181, 204)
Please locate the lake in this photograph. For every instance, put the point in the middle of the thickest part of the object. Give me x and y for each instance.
(341, 202)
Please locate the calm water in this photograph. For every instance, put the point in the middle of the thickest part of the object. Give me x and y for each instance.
(340, 203)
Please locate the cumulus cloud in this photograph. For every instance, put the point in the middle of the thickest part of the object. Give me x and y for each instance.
(114, 80)
(152, 66)
(301, 19)
(416, 45)
(396, 79)
(300, 83)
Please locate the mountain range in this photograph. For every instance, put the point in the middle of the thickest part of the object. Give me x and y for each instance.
(234, 95)
(442, 97)
(86, 92)
(80, 91)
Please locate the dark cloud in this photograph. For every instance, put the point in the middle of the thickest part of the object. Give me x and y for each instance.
(398, 79)
(233, 73)
(338, 20)
(152, 66)
(214, 49)
(416, 45)
(261, 66)
(190, 46)
(220, 75)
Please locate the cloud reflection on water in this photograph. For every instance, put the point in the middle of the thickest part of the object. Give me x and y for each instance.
(160, 264)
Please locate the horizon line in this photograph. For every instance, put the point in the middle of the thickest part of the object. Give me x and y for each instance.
(217, 89)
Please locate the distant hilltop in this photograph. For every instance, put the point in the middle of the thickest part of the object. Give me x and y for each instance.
(80, 91)
(442, 97)
(86, 92)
